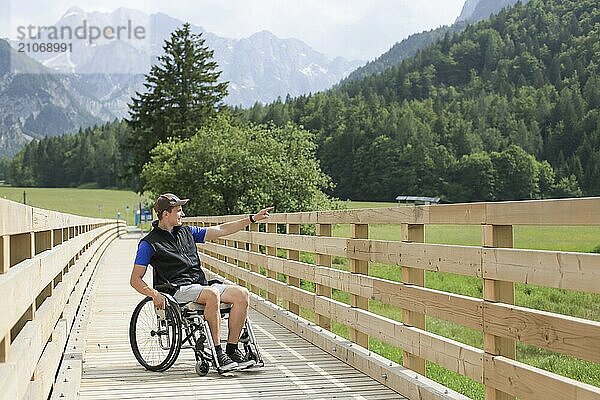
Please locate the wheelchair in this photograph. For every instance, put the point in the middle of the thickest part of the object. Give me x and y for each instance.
(157, 336)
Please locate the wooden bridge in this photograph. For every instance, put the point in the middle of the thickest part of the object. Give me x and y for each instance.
(66, 304)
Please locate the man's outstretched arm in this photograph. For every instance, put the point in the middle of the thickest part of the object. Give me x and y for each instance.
(228, 228)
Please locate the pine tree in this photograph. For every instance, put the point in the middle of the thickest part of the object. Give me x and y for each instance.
(182, 94)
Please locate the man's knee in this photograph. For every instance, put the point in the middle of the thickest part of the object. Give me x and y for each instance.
(242, 296)
(246, 294)
(236, 295)
(209, 296)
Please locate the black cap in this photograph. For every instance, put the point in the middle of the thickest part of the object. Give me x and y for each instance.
(167, 200)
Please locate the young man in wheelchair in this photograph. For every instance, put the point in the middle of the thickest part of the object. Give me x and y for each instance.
(171, 250)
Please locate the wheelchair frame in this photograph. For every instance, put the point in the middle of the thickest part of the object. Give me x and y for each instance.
(183, 326)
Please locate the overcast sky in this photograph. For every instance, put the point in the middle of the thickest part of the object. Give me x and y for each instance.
(354, 29)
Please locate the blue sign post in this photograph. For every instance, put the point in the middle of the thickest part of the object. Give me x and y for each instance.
(146, 216)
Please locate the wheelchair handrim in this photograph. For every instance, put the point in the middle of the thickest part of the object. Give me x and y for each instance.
(155, 343)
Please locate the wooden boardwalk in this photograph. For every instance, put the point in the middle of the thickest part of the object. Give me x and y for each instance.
(294, 369)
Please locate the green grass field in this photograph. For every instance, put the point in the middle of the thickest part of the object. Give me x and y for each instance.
(99, 203)
(106, 203)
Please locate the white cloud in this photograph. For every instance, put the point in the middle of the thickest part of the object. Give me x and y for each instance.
(351, 28)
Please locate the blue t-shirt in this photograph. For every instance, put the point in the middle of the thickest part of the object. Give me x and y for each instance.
(145, 251)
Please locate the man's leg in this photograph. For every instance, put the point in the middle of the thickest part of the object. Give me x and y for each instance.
(239, 298)
(210, 297)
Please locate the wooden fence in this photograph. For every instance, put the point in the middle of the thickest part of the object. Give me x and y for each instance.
(46, 261)
(250, 257)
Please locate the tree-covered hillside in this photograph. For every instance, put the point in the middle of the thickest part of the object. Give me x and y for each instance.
(405, 49)
(92, 157)
(473, 11)
(509, 108)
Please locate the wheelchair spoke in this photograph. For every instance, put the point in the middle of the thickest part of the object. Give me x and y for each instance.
(152, 344)
(155, 342)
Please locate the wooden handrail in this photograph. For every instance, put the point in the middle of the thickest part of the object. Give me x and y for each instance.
(554, 212)
(498, 265)
(44, 256)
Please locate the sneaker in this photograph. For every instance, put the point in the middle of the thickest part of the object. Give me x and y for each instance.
(226, 363)
(241, 359)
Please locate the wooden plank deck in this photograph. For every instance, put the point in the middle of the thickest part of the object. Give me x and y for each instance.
(294, 369)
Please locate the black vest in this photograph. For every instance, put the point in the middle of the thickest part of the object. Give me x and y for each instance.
(175, 260)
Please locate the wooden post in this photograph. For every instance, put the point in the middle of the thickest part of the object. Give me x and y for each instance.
(324, 261)
(254, 249)
(231, 260)
(206, 251)
(224, 258)
(202, 249)
(218, 256)
(413, 233)
(212, 253)
(500, 291)
(272, 251)
(4, 254)
(359, 231)
(239, 263)
(293, 229)
(5, 259)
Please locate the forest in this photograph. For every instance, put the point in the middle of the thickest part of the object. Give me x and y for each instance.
(92, 158)
(507, 109)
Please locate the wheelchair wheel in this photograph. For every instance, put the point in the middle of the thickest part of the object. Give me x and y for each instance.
(155, 341)
(202, 367)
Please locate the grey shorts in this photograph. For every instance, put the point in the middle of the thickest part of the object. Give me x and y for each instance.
(188, 293)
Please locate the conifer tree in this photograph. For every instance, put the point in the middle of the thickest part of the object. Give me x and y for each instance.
(182, 94)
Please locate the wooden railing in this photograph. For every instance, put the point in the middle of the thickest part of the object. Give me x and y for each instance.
(46, 260)
(495, 262)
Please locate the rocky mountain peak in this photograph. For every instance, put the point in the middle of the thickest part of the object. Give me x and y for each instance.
(478, 10)
(73, 10)
(104, 75)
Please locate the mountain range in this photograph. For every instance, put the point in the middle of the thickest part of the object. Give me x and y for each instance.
(260, 67)
(94, 82)
(36, 102)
